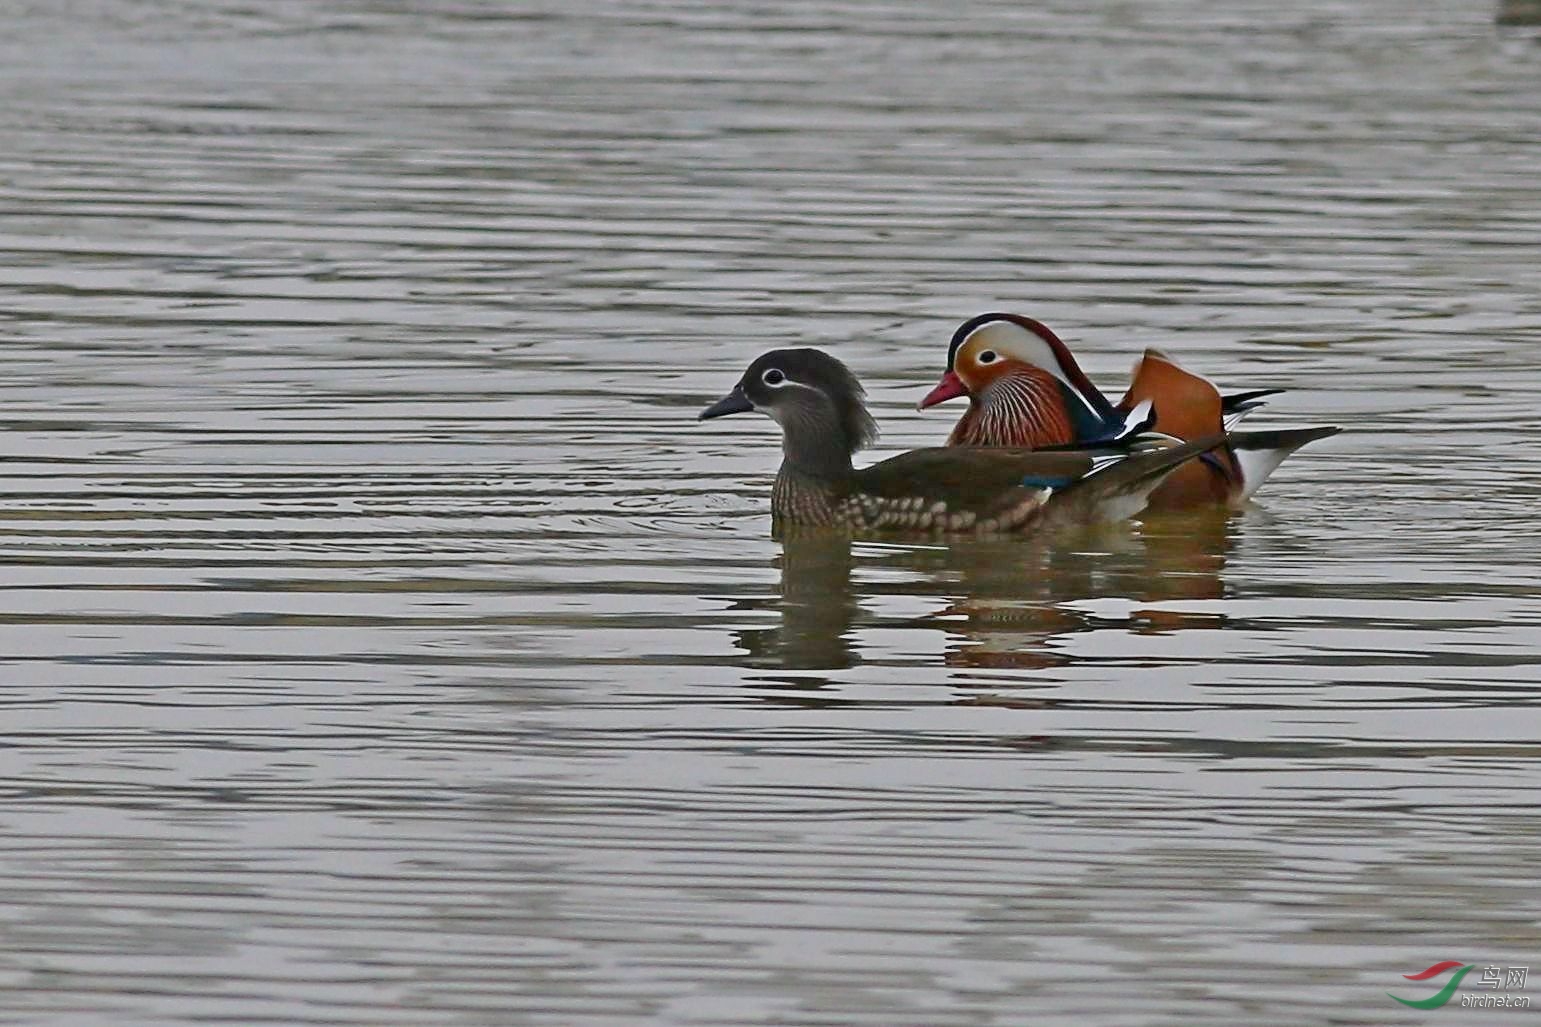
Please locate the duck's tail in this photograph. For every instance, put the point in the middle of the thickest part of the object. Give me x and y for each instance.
(1259, 452)
(1239, 404)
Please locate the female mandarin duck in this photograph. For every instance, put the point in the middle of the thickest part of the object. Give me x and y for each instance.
(977, 491)
(1025, 389)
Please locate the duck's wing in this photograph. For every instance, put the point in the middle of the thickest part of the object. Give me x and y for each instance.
(1122, 487)
(965, 488)
(1187, 405)
(1186, 399)
(986, 489)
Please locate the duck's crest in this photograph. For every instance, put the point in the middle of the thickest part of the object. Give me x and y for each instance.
(835, 380)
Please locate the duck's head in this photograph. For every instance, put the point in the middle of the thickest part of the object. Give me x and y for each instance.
(806, 391)
(991, 346)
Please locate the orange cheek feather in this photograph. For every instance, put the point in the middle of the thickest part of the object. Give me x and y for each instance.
(976, 378)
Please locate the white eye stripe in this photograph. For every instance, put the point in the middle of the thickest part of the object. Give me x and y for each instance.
(773, 377)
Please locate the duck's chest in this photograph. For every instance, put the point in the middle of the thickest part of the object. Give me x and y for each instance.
(1021, 410)
(800, 499)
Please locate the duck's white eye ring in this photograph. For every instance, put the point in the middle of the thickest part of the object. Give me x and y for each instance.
(986, 357)
(773, 377)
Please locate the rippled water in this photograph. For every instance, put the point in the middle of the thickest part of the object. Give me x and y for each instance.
(383, 641)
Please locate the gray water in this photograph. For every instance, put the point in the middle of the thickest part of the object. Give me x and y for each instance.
(385, 643)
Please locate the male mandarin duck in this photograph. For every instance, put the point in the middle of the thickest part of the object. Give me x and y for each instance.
(967, 490)
(1025, 389)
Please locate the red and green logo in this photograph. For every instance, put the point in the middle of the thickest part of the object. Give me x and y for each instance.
(1444, 994)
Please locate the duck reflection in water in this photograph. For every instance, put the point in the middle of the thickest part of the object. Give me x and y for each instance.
(998, 604)
(819, 608)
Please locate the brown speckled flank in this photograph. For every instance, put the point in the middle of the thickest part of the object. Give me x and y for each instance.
(798, 499)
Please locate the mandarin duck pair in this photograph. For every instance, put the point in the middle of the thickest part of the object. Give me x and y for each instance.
(1038, 447)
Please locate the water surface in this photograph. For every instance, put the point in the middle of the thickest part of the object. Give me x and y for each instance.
(384, 643)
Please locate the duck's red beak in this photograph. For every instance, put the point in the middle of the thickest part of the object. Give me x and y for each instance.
(950, 387)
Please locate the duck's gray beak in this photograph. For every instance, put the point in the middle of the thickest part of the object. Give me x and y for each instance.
(734, 402)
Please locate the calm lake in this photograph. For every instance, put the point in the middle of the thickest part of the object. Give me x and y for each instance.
(383, 642)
